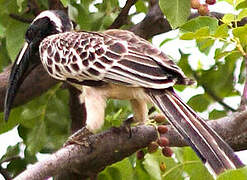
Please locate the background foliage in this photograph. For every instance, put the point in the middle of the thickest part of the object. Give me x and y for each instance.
(44, 122)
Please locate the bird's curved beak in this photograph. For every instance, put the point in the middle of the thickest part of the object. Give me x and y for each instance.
(17, 75)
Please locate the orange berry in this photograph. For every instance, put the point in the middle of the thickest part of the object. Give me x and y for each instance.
(203, 9)
(152, 147)
(195, 4)
(140, 154)
(162, 129)
(211, 2)
(163, 141)
(167, 151)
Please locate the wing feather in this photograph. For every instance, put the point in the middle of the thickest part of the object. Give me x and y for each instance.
(114, 56)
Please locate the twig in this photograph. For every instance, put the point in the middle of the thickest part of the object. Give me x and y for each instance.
(5, 173)
(123, 15)
(56, 4)
(20, 18)
(213, 95)
(34, 7)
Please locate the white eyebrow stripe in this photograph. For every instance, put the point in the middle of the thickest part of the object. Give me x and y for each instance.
(52, 17)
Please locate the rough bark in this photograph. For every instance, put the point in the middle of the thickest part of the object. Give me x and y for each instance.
(114, 145)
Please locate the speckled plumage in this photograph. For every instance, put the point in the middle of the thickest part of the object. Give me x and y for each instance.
(114, 56)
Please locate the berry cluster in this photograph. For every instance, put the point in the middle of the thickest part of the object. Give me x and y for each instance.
(202, 8)
(161, 142)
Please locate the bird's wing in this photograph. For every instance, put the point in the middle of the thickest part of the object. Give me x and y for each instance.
(114, 56)
(150, 66)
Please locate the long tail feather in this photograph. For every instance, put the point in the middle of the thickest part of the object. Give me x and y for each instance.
(212, 150)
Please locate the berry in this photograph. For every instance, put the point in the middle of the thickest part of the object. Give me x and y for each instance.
(203, 9)
(211, 2)
(162, 129)
(152, 147)
(159, 118)
(140, 154)
(163, 141)
(195, 4)
(166, 151)
(162, 166)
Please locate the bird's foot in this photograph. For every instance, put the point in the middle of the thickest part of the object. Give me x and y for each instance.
(80, 137)
(127, 125)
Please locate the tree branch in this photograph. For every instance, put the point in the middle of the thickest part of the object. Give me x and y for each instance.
(38, 77)
(123, 15)
(114, 145)
(106, 148)
(225, 127)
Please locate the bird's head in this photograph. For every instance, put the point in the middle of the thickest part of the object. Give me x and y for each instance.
(45, 24)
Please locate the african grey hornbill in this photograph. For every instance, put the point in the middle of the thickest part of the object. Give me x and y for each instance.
(117, 64)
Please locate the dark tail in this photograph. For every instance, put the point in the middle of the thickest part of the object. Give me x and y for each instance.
(212, 150)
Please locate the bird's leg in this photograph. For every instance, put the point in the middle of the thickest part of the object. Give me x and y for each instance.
(140, 114)
(95, 111)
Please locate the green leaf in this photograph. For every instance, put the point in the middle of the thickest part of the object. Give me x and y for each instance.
(192, 162)
(242, 15)
(14, 42)
(152, 166)
(184, 64)
(4, 58)
(12, 151)
(119, 170)
(176, 12)
(234, 2)
(37, 138)
(141, 7)
(228, 18)
(219, 78)
(205, 44)
(216, 114)
(239, 174)
(16, 166)
(199, 102)
(65, 3)
(221, 31)
(188, 36)
(165, 41)
(197, 23)
(2, 30)
(240, 32)
(19, 4)
(241, 5)
(202, 32)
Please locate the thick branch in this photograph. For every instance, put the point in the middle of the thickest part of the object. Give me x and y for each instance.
(34, 85)
(233, 129)
(123, 15)
(114, 145)
(107, 148)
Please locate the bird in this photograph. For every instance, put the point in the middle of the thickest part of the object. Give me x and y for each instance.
(116, 64)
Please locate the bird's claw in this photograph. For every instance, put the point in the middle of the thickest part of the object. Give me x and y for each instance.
(127, 126)
(80, 137)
